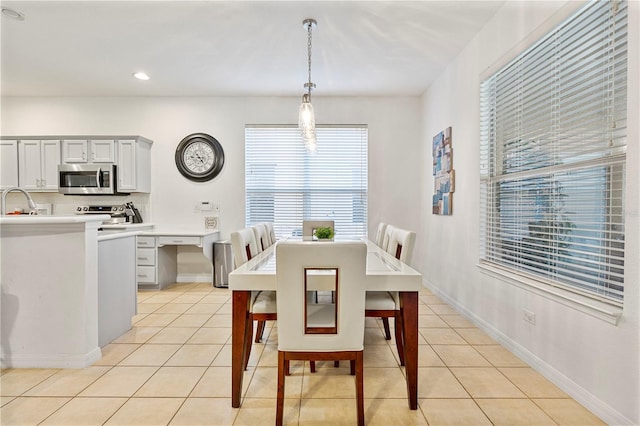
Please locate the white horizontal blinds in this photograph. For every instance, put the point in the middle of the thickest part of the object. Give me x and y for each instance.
(286, 185)
(552, 162)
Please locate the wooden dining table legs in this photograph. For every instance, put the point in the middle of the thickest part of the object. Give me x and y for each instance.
(241, 320)
(409, 309)
(239, 327)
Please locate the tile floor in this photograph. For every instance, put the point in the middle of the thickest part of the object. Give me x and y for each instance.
(174, 367)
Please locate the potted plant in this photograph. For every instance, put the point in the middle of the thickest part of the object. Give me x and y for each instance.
(323, 233)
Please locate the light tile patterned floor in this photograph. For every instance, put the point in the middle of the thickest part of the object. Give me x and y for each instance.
(174, 367)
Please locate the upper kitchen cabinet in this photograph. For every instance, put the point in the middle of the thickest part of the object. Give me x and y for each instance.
(91, 151)
(38, 164)
(134, 165)
(8, 164)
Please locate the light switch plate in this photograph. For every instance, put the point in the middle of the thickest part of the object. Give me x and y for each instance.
(211, 222)
(205, 206)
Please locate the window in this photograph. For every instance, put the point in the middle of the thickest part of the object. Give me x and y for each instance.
(286, 185)
(553, 153)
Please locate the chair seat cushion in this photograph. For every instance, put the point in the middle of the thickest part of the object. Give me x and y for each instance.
(263, 302)
(379, 300)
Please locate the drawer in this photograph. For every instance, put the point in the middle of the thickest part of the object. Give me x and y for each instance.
(146, 274)
(146, 256)
(178, 241)
(146, 241)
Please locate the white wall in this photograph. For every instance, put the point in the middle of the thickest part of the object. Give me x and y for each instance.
(394, 142)
(594, 361)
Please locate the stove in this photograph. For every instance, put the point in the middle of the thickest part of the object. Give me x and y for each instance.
(119, 213)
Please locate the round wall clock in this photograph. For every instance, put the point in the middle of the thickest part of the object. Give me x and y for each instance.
(199, 157)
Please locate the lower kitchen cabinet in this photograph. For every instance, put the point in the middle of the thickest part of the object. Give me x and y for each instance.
(156, 267)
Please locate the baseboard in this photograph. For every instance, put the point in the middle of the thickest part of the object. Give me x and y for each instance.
(51, 360)
(598, 407)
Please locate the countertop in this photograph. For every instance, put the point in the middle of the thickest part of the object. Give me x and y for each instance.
(110, 231)
(118, 234)
(25, 219)
(170, 231)
(148, 229)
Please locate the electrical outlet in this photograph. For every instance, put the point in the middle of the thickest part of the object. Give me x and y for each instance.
(211, 222)
(529, 317)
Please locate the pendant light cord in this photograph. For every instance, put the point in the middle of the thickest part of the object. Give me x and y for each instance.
(309, 29)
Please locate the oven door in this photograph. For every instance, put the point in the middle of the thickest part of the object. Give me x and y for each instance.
(84, 179)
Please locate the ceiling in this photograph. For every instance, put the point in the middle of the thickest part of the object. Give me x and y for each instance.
(232, 48)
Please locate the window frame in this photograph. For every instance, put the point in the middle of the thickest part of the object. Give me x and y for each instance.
(491, 173)
(293, 182)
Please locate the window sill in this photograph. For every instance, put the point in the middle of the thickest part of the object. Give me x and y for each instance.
(596, 308)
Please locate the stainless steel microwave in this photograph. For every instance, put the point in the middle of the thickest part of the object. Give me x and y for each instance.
(88, 179)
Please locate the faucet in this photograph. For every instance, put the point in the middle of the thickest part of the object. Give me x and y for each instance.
(32, 205)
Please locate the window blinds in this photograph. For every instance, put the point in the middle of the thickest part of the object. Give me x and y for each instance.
(286, 185)
(552, 158)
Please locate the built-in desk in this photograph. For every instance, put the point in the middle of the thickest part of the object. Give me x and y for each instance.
(156, 254)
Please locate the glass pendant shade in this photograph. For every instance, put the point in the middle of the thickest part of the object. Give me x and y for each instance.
(307, 123)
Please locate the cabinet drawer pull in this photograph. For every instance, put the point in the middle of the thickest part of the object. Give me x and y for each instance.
(142, 258)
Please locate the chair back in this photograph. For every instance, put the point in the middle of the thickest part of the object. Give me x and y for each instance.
(388, 232)
(295, 261)
(401, 244)
(271, 232)
(262, 237)
(243, 243)
(380, 235)
(309, 226)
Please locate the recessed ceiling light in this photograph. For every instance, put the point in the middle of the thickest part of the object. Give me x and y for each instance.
(141, 76)
(12, 14)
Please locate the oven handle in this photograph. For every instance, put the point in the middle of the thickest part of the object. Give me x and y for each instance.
(98, 176)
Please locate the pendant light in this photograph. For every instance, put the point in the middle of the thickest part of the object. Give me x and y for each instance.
(306, 119)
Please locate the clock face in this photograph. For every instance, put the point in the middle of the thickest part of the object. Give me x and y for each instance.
(199, 157)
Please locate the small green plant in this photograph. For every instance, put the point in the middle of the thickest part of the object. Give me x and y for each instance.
(324, 233)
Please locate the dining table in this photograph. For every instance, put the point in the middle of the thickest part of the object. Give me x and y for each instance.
(383, 273)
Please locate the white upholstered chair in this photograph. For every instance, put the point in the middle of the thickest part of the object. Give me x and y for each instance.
(401, 244)
(263, 240)
(380, 235)
(309, 226)
(385, 305)
(388, 232)
(329, 331)
(243, 243)
(271, 232)
(308, 229)
(263, 303)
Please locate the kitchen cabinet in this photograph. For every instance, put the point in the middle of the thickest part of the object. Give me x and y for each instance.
(8, 164)
(38, 165)
(91, 151)
(134, 165)
(156, 267)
